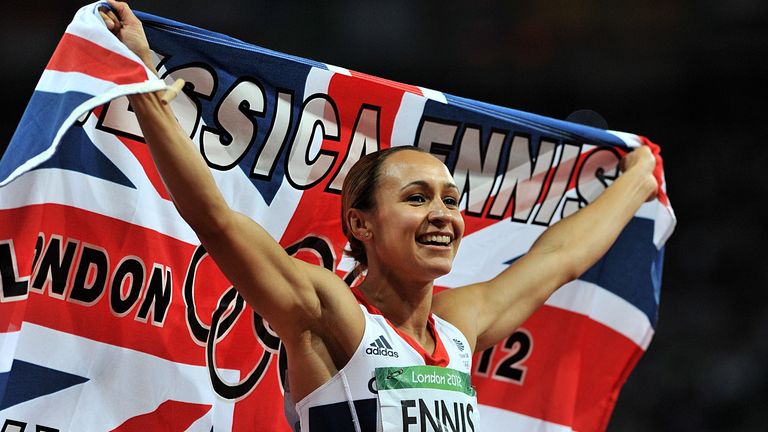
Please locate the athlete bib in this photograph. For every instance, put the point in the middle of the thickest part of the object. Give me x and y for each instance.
(426, 398)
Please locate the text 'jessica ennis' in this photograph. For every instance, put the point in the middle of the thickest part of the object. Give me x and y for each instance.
(504, 169)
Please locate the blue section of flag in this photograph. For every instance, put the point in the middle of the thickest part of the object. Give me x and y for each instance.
(44, 115)
(78, 153)
(27, 381)
(626, 269)
(4, 385)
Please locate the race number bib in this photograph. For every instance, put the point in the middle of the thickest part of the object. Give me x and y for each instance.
(426, 398)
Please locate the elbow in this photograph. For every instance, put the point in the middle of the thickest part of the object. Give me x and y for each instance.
(564, 261)
(575, 264)
(572, 274)
(567, 267)
(568, 260)
(562, 276)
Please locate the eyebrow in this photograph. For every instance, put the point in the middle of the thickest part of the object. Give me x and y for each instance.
(424, 184)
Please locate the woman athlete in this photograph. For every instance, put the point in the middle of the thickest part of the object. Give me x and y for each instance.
(400, 213)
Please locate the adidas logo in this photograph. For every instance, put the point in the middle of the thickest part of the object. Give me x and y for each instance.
(459, 344)
(382, 348)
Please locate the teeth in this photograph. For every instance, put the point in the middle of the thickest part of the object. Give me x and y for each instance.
(433, 238)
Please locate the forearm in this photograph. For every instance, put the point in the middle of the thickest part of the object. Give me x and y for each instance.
(182, 168)
(582, 238)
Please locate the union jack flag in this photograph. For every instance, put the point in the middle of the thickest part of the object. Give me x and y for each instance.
(112, 317)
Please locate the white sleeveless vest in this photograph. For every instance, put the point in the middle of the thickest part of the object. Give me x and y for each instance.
(350, 396)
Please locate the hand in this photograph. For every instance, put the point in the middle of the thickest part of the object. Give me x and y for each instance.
(121, 21)
(644, 159)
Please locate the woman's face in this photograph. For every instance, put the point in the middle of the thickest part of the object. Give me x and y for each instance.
(416, 224)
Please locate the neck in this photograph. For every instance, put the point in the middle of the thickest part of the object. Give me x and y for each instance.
(406, 304)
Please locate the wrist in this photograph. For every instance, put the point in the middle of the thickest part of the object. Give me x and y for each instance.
(645, 182)
(146, 58)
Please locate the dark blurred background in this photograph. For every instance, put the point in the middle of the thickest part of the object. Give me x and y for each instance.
(690, 75)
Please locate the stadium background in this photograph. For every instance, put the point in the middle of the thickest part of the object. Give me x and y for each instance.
(690, 75)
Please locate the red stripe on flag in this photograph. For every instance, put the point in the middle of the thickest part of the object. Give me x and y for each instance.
(658, 171)
(97, 319)
(76, 54)
(573, 371)
(169, 416)
(387, 83)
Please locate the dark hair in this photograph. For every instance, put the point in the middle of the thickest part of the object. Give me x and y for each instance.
(358, 192)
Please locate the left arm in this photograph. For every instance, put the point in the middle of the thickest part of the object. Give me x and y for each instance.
(490, 311)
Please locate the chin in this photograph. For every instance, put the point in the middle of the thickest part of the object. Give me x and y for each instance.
(439, 270)
(433, 266)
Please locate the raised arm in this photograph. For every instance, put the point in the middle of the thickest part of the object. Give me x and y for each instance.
(490, 311)
(292, 295)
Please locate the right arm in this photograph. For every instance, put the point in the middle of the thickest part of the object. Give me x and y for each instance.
(292, 295)
(241, 248)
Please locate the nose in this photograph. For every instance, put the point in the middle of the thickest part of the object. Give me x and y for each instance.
(439, 215)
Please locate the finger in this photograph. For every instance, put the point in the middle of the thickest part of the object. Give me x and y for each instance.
(627, 158)
(110, 19)
(107, 20)
(123, 10)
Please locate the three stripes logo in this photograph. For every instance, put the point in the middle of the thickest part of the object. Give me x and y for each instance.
(382, 348)
(459, 344)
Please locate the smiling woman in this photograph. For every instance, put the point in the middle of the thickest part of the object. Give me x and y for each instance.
(402, 218)
(412, 194)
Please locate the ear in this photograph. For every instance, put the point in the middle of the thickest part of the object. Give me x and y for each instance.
(359, 225)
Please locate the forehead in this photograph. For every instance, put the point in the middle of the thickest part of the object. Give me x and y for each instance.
(406, 167)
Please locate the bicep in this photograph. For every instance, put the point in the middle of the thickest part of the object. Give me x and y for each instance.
(273, 283)
(492, 310)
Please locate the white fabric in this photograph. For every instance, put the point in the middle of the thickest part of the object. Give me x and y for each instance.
(359, 371)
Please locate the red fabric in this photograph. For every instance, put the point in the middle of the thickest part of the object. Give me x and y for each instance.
(658, 172)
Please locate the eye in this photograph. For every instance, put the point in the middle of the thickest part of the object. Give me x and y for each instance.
(416, 199)
(451, 202)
